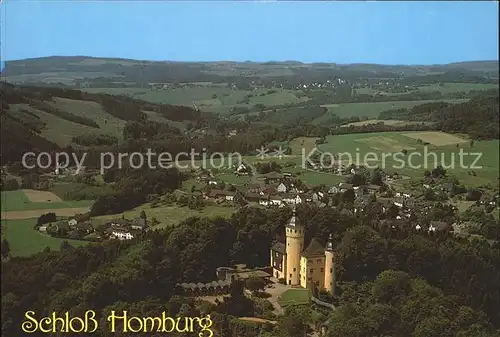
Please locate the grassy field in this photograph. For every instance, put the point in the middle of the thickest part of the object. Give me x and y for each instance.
(209, 98)
(370, 110)
(300, 143)
(320, 178)
(107, 123)
(18, 201)
(390, 144)
(171, 215)
(56, 129)
(294, 297)
(24, 240)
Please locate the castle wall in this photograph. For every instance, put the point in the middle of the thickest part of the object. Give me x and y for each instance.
(312, 270)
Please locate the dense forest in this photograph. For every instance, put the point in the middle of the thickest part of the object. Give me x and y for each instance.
(479, 117)
(392, 282)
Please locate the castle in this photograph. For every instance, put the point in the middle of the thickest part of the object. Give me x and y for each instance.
(312, 267)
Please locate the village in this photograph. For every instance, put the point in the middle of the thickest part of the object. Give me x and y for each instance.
(389, 197)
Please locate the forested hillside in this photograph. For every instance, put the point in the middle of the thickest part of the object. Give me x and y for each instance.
(479, 117)
(392, 282)
(28, 111)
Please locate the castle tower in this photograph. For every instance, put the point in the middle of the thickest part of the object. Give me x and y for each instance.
(329, 266)
(294, 245)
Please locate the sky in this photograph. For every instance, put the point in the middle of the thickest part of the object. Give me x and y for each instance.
(383, 32)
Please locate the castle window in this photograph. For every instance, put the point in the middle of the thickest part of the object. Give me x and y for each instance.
(331, 270)
(322, 270)
(318, 260)
(290, 275)
(311, 270)
(294, 269)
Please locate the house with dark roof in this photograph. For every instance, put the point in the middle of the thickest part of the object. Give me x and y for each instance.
(278, 260)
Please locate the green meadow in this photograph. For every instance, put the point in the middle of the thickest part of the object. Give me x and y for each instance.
(370, 110)
(375, 149)
(171, 215)
(24, 240)
(18, 201)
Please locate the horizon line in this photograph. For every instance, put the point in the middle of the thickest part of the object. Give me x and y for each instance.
(250, 61)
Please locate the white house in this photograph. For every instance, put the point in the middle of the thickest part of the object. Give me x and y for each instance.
(264, 202)
(72, 222)
(229, 197)
(317, 196)
(292, 199)
(281, 188)
(212, 182)
(241, 169)
(276, 201)
(122, 235)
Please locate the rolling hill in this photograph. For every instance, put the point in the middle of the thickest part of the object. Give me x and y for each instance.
(49, 118)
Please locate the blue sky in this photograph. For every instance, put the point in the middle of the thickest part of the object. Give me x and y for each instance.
(343, 32)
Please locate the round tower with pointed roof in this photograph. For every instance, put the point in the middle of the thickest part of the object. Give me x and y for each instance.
(295, 232)
(330, 266)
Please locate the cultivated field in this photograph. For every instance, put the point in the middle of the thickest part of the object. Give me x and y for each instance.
(360, 149)
(35, 213)
(19, 201)
(385, 144)
(41, 196)
(436, 138)
(302, 143)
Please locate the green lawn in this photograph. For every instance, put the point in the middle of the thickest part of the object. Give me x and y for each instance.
(294, 297)
(18, 201)
(24, 240)
(172, 215)
(231, 178)
(321, 178)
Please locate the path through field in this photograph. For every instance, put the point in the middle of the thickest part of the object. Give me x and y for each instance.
(35, 213)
